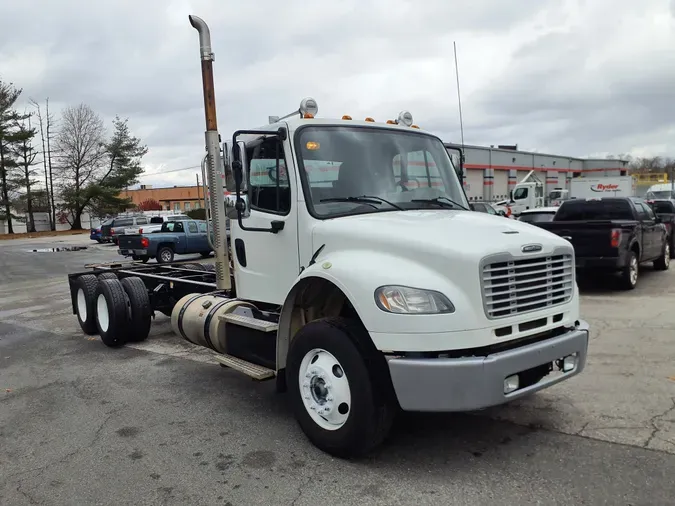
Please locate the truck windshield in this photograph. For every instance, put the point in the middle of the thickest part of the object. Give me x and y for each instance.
(605, 209)
(341, 166)
(667, 194)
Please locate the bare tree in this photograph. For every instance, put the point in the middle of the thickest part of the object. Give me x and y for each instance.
(46, 123)
(80, 150)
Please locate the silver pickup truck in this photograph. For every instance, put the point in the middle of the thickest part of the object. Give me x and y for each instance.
(155, 224)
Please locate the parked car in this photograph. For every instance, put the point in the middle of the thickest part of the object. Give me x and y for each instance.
(95, 233)
(485, 207)
(612, 235)
(116, 226)
(177, 237)
(537, 215)
(665, 211)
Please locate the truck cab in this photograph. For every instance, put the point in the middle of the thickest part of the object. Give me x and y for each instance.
(368, 222)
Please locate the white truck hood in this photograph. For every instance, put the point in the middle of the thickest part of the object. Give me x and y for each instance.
(442, 232)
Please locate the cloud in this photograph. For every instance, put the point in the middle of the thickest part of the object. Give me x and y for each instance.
(576, 77)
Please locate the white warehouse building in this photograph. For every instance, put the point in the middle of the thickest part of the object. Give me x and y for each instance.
(491, 172)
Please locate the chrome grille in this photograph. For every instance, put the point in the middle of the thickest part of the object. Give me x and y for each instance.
(518, 286)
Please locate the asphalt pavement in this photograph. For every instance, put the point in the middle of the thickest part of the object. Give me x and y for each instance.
(160, 422)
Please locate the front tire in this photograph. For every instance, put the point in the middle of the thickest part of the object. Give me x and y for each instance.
(339, 387)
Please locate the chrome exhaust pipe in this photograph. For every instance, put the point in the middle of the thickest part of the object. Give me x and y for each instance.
(213, 160)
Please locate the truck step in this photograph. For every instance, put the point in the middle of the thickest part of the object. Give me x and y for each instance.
(250, 322)
(255, 371)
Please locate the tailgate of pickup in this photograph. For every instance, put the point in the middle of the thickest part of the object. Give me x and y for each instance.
(130, 242)
(589, 238)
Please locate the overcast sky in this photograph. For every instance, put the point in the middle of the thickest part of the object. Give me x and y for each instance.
(573, 77)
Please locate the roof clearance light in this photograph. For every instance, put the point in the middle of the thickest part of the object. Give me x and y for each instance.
(312, 146)
(405, 118)
(346, 116)
(308, 108)
(414, 126)
(391, 122)
(370, 120)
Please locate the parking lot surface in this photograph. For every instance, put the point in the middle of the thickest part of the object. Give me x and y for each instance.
(160, 422)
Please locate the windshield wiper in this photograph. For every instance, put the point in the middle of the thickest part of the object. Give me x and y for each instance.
(364, 199)
(441, 201)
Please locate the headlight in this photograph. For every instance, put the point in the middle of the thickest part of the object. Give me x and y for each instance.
(406, 300)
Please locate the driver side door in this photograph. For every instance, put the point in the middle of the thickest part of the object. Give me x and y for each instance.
(267, 264)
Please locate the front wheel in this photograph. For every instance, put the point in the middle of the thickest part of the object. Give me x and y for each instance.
(339, 387)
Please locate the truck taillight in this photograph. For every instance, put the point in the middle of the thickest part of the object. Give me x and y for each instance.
(616, 237)
(112, 231)
(145, 242)
(140, 230)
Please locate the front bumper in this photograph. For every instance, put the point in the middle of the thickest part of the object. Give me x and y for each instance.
(471, 383)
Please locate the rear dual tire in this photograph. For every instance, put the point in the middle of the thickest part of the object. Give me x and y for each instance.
(118, 311)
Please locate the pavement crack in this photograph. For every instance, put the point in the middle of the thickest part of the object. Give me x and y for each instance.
(303, 485)
(653, 420)
(30, 498)
(69, 455)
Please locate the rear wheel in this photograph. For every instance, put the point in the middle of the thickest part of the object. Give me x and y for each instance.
(107, 275)
(339, 387)
(165, 255)
(111, 313)
(139, 309)
(85, 303)
(629, 275)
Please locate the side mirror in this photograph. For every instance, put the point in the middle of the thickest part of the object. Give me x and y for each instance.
(227, 167)
(231, 206)
(240, 166)
(657, 219)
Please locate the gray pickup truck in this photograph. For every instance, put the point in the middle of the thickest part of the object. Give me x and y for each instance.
(178, 237)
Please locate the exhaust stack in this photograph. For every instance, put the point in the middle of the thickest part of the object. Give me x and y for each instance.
(213, 159)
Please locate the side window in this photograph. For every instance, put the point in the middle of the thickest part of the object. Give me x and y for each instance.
(192, 227)
(643, 215)
(418, 171)
(490, 209)
(141, 221)
(649, 212)
(520, 193)
(269, 188)
(125, 222)
(202, 228)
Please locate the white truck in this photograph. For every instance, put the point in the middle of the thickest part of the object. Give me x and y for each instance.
(527, 194)
(357, 294)
(609, 186)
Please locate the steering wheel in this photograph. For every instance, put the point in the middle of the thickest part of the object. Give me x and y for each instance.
(401, 183)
